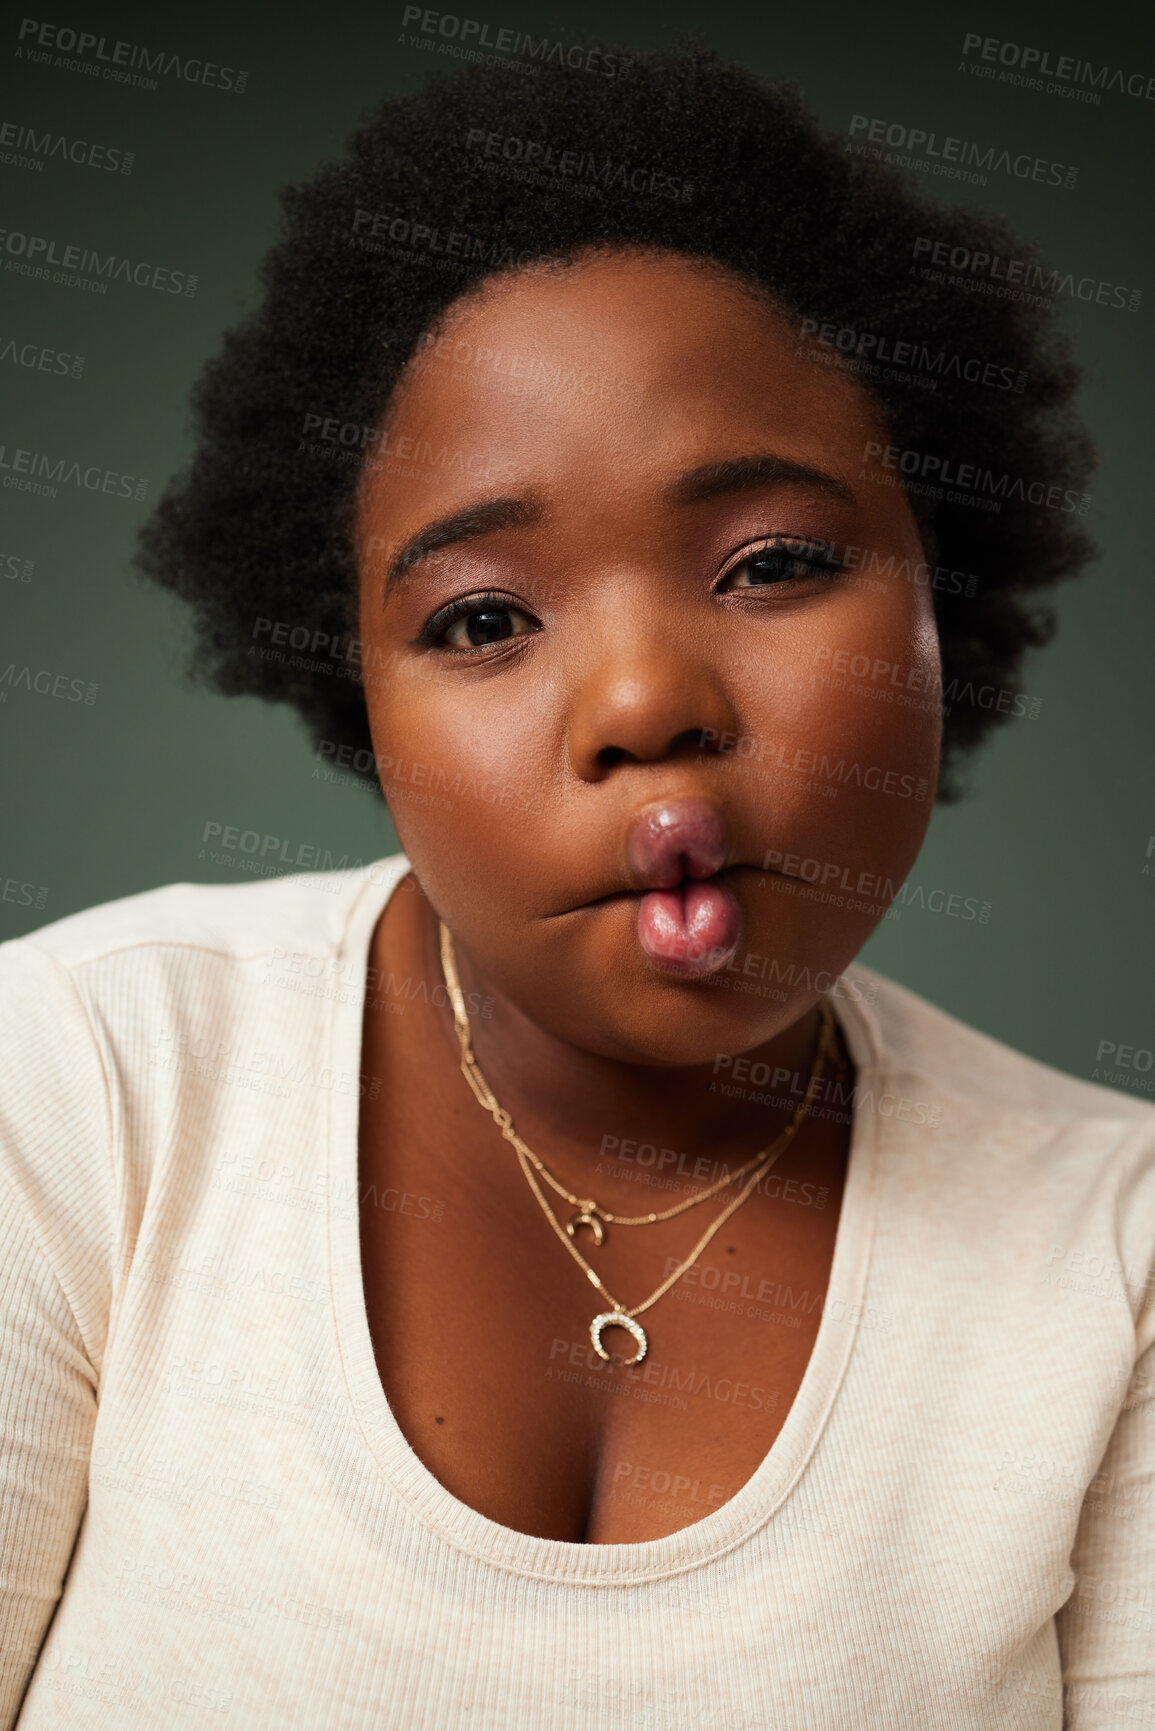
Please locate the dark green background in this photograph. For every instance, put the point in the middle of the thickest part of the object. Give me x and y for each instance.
(105, 800)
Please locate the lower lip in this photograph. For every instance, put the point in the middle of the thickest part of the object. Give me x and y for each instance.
(691, 931)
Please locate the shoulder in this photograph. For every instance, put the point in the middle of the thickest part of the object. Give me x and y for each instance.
(102, 1016)
(912, 1034)
(1045, 1170)
(232, 921)
(87, 1002)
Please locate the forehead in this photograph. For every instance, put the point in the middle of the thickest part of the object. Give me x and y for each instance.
(621, 369)
(589, 390)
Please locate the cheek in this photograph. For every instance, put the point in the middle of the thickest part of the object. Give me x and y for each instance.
(869, 676)
(848, 728)
(464, 772)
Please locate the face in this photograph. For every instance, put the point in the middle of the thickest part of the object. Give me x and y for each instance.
(652, 643)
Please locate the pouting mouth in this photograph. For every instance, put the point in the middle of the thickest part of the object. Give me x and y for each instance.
(678, 884)
(668, 845)
(691, 930)
(688, 921)
(675, 841)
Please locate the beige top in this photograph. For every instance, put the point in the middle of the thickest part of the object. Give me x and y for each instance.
(210, 1516)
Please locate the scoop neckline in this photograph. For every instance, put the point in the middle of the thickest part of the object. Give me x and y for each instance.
(563, 1560)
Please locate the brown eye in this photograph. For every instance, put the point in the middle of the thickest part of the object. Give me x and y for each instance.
(782, 562)
(769, 566)
(487, 623)
(488, 627)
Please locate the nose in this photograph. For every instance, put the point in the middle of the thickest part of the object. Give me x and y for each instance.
(645, 707)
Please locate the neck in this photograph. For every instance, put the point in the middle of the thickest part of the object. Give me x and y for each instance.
(579, 1110)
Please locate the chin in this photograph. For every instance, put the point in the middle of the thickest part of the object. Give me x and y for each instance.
(681, 1024)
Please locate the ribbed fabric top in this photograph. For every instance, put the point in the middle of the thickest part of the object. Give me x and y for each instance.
(209, 1515)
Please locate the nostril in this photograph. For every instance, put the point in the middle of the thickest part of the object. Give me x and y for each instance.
(611, 755)
(690, 739)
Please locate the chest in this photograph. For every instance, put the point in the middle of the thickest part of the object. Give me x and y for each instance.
(480, 1322)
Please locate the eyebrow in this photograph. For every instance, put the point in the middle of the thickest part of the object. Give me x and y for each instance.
(709, 481)
(464, 525)
(743, 474)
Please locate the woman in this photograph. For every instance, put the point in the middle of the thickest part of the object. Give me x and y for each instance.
(540, 1279)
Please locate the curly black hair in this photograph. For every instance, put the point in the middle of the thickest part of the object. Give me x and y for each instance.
(492, 167)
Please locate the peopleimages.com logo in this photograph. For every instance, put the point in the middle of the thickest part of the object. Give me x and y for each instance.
(25, 147)
(1034, 64)
(957, 158)
(36, 472)
(914, 357)
(120, 62)
(974, 482)
(43, 257)
(1015, 278)
(470, 38)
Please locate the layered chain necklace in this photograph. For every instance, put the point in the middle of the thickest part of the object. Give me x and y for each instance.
(588, 1212)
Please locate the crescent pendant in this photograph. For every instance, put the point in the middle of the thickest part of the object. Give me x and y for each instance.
(584, 1217)
(619, 1319)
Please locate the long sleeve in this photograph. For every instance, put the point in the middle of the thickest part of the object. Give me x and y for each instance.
(1106, 1629)
(56, 1212)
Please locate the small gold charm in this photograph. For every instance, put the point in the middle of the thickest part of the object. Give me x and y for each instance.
(620, 1320)
(586, 1215)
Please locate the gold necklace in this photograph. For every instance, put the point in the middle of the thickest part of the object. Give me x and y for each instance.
(589, 1212)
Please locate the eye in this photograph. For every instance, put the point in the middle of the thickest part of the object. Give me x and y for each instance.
(782, 560)
(477, 621)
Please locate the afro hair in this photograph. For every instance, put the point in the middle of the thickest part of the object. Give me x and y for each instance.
(683, 154)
